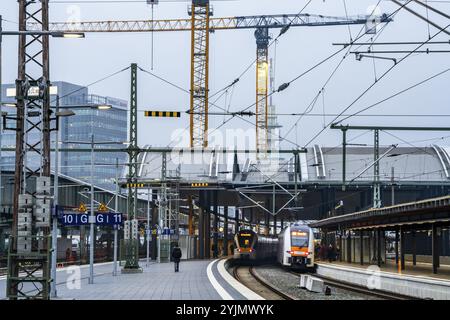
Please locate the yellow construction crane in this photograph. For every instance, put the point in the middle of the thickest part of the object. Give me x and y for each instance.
(200, 16)
(201, 24)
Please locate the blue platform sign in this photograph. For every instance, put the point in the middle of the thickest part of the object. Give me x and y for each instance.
(81, 219)
(168, 231)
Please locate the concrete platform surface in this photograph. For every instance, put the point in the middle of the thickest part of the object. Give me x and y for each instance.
(414, 283)
(157, 282)
(421, 269)
(197, 280)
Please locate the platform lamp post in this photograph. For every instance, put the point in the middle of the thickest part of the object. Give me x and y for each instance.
(59, 114)
(116, 208)
(67, 112)
(2, 114)
(92, 143)
(148, 232)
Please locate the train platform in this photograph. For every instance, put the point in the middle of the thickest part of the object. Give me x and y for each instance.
(421, 269)
(415, 281)
(197, 280)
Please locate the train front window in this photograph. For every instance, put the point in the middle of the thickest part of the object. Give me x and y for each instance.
(299, 239)
(245, 240)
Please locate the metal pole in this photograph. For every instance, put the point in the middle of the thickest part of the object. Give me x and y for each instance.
(435, 248)
(92, 217)
(160, 227)
(225, 231)
(116, 208)
(53, 292)
(392, 187)
(376, 169)
(344, 157)
(148, 227)
(1, 120)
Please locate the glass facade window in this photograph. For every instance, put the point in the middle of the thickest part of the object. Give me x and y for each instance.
(105, 125)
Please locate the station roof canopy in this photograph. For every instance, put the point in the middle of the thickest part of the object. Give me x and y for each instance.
(319, 165)
(425, 212)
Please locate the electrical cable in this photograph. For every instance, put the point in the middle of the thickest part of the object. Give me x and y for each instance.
(373, 84)
(283, 31)
(91, 84)
(396, 94)
(340, 63)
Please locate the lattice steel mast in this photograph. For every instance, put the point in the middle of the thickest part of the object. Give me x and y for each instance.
(30, 246)
(131, 225)
(200, 14)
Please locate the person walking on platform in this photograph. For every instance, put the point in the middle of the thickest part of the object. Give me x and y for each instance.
(232, 249)
(331, 253)
(176, 256)
(214, 250)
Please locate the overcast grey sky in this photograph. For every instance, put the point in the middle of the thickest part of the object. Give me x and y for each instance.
(83, 61)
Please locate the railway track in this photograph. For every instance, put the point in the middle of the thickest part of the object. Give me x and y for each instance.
(358, 289)
(248, 277)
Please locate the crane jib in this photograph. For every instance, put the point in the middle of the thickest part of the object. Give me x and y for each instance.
(226, 23)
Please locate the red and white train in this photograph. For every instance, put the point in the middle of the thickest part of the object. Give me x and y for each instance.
(294, 247)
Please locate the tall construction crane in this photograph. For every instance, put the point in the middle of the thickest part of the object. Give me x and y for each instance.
(201, 24)
(200, 12)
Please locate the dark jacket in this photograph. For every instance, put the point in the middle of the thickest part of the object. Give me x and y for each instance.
(176, 254)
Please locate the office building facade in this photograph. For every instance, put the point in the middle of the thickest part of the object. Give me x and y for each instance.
(108, 125)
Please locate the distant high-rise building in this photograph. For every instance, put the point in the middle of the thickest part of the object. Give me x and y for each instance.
(108, 125)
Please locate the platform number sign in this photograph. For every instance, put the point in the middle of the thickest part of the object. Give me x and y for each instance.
(101, 219)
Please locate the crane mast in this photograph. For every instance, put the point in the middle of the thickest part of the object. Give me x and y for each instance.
(262, 89)
(199, 91)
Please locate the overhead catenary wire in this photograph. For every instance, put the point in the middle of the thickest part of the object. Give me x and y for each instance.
(396, 95)
(373, 84)
(282, 31)
(428, 7)
(346, 15)
(187, 91)
(286, 85)
(91, 84)
(359, 36)
(421, 17)
(163, 80)
(428, 24)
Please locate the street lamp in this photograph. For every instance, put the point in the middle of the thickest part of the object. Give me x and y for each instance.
(2, 114)
(59, 114)
(68, 35)
(104, 107)
(67, 112)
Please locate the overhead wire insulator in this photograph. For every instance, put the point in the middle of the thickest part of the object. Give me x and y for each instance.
(234, 82)
(284, 86)
(284, 30)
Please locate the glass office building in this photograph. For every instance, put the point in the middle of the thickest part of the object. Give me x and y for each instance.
(108, 125)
